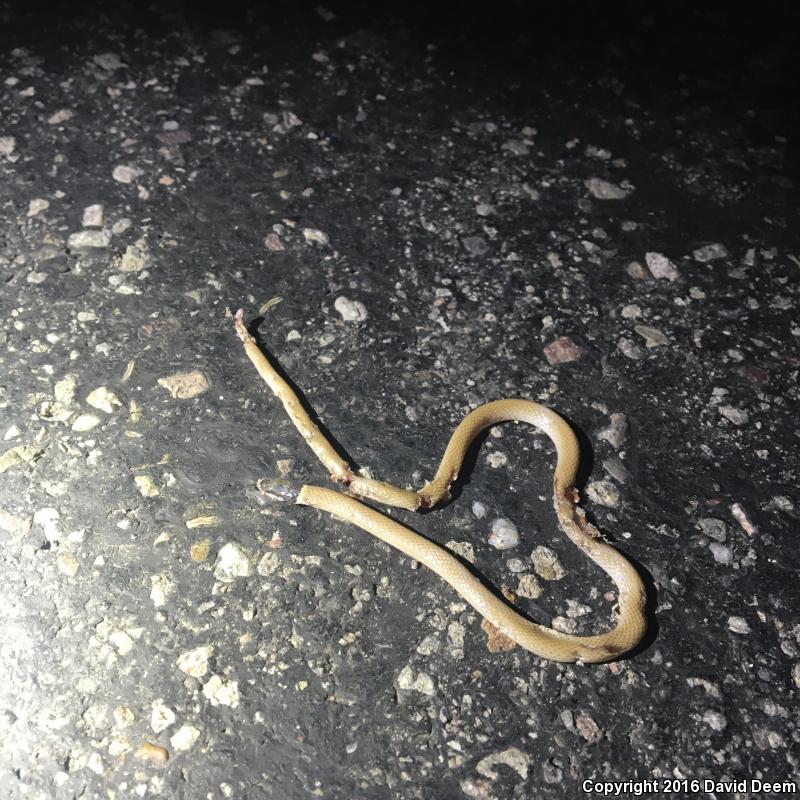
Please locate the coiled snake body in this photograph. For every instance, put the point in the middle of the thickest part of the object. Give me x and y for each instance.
(543, 641)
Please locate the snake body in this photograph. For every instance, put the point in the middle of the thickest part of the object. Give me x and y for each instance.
(543, 641)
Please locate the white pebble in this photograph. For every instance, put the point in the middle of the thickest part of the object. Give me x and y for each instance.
(315, 235)
(721, 553)
(195, 662)
(161, 717)
(351, 310)
(479, 510)
(93, 216)
(738, 625)
(605, 190)
(715, 720)
(736, 415)
(710, 252)
(661, 267)
(184, 737)
(221, 692)
(125, 174)
(89, 239)
(37, 206)
(104, 399)
(85, 422)
(504, 534)
(232, 562)
(603, 493)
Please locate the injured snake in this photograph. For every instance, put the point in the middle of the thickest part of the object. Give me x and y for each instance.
(543, 641)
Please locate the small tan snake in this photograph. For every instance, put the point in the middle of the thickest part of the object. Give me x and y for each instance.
(543, 641)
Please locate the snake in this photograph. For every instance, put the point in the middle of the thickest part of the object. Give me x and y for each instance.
(554, 645)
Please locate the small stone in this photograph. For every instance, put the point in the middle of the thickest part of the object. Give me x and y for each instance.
(122, 642)
(87, 240)
(616, 432)
(603, 493)
(316, 236)
(108, 61)
(37, 206)
(736, 415)
(710, 252)
(152, 752)
(65, 389)
(715, 720)
(350, 310)
(475, 245)
(184, 738)
(529, 587)
(740, 515)
(161, 587)
(429, 645)
(630, 349)
(588, 728)
(269, 564)
(273, 242)
(68, 565)
(504, 534)
(232, 563)
(546, 564)
(463, 549)
(407, 680)
(146, 486)
(222, 692)
(93, 216)
(85, 422)
(496, 459)
(715, 528)
(424, 684)
(780, 502)
(104, 399)
(123, 716)
(184, 385)
(134, 259)
(653, 336)
(479, 510)
(195, 662)
(616, 469)
(125, 174)
(516, 565)
(48, 519)
(7, 145)
(562, 351)
(631, 311)
(721, 553)
(605, 190)
(63, 115)
(21, 454)
(661, 267)
(564, 625)
(513, 757)
(161, 717)
(16, 526)
(199, 550)
(552, 772)
(738, 625)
